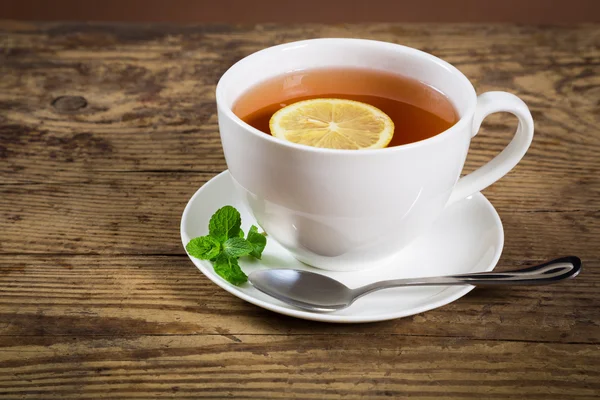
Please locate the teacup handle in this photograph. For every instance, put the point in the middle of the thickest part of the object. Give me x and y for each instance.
(489, 103)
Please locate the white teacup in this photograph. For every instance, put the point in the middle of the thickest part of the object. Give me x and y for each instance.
(354, 209)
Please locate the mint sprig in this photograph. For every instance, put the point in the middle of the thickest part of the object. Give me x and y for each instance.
(225, 243)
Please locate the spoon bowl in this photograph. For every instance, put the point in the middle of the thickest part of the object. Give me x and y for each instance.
(303, 289)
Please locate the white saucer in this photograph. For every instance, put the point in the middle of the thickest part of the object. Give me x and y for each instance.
(467, 238)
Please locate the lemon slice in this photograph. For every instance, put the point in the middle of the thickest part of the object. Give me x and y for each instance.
(333, 124)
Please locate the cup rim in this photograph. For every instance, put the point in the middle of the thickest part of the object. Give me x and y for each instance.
(458, 126)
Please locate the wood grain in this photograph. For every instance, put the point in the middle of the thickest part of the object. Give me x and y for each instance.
(139, 213)
(107, 130)
(298, 366)
(149, 295)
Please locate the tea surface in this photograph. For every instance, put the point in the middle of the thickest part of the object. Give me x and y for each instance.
(418, 110)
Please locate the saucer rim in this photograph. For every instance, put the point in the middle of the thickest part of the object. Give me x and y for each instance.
(205, 268)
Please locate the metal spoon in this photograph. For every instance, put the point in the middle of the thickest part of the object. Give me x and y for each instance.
(315, 292)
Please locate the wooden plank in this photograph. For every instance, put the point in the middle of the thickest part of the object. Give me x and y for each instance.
(149, 93)
(531, 185)
(294, 366)
(32, 156)
(139, 213)
(76, 296)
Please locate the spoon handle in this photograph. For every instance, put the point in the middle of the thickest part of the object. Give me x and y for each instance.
(550, 272)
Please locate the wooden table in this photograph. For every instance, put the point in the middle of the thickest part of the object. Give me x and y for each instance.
(107, 130)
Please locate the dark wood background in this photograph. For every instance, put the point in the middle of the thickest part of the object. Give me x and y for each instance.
(330, 11)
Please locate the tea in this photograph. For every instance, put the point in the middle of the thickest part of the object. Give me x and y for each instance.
(418, 111)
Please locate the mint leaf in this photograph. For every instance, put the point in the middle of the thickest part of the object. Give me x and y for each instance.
(237, 247)
(258, 242)
(225, 223)
(225, 243)
(229, 269)
(203, 247)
